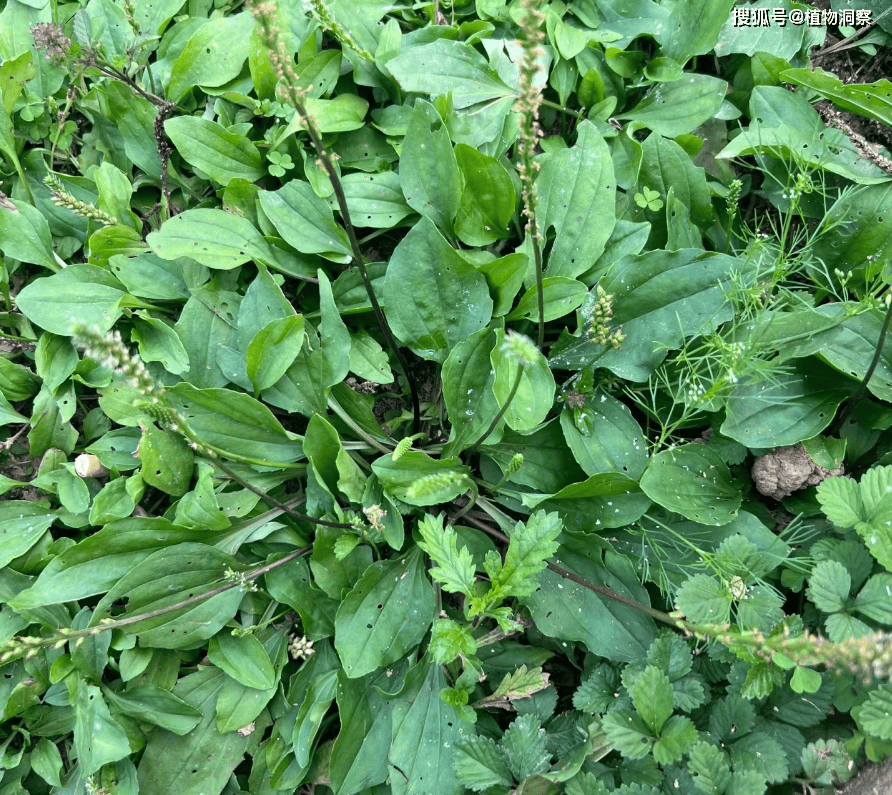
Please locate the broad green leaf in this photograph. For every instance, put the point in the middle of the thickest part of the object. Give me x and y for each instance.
(504, 276)
(342, 113)
(292, 585)
(243, 658)
(95, 564)
(24, 523)
(155, 705)
(433, 298)
(214, 238)
(368, 359)
(566, 610)
(871, 100)
(780, 41)
(429, 173)
(666, 166)
(694, 481)
(235, 422)
(447, 67)
(359, 754)
(202, 761)
(273, 350)
(25, 235)
(313, 707)
(796, 405)
(704, 600)
(134, 117)
(211, 148)
(534, 396)
(673, 109)
(206, 324)
(829, 586)
(783, 123)
(874, 714)
(385, 615)
(79, 295)
(467, 389)
(326, 453)
(158, 342)
(399, 476)
(426, 731)
(98, 738)
(602, 501)
(610, 440)
(375, 200)
(548, 464)
(487, 200)
(213, 56)
(167, 461)
(480, 763)
(305, 221)
(658, 295)
(577, 198)
(693, 27)
(454, 567)
(560, 296)
(166, 578)
(853, 349)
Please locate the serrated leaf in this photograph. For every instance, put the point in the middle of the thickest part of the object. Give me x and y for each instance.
(829, 586)
(875, 599)
(449, 640)
(759, 752)
(521, 683)
(454, 567)
(710, 769)
(598, 690)
(627, 734)
(652, 696)
(704, 600)
(875, 714)
(532, 543)
(525, 747)
(840, 499)
(480, 763)
(676, 736)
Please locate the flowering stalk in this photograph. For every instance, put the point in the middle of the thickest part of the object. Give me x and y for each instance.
(527, 108)
(62, 198)
(110, 351)
(266, 14)
(325, 18)
(520, 348)
(29, 646)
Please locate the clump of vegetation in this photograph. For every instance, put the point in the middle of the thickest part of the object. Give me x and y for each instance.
(382, 386)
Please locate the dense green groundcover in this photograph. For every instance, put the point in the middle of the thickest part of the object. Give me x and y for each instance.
(360, 434)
